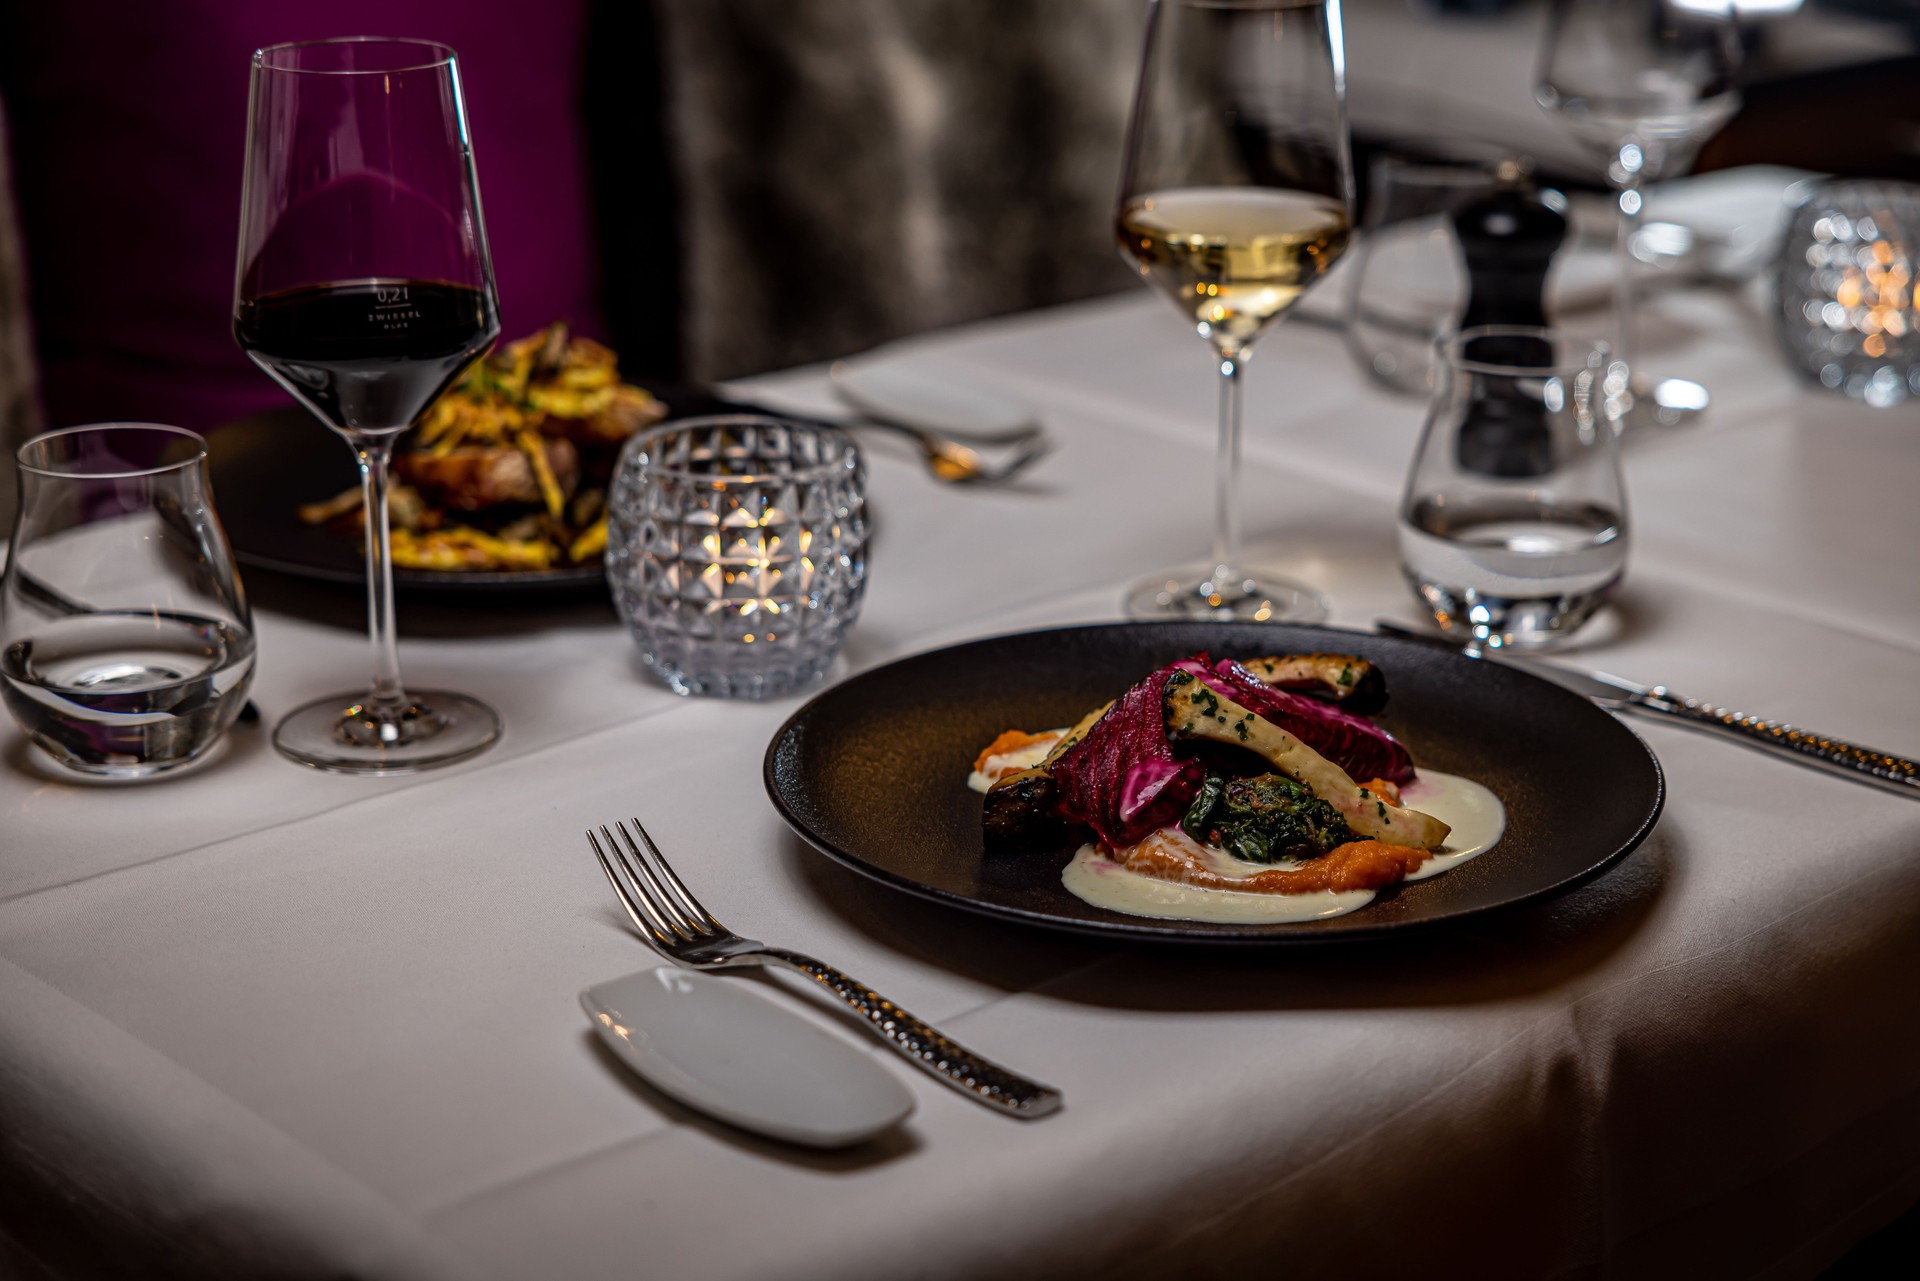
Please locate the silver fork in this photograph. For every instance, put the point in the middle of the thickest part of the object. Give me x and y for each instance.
(956, 464)
(668, 916)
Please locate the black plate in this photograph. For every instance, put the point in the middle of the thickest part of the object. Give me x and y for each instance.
(873, 771)
(265, 467)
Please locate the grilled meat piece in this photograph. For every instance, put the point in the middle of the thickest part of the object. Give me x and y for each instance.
(1352, 682)
(476, 477)
(1020, 814)
(1196, 712)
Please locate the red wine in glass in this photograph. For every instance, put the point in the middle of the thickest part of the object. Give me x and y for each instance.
(364, 288)
(371, 353)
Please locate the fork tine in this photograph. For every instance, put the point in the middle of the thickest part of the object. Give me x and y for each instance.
(636, 863)
(674, 883)
(639, 912)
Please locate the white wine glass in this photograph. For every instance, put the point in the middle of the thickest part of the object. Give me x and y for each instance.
(1642, 84)
(1236, 195)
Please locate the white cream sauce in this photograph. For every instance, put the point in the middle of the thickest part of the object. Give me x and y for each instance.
(1099, 880)
(1003, 763)
(1473, 812)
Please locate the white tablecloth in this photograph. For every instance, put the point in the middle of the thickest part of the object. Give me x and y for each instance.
(268, 1022)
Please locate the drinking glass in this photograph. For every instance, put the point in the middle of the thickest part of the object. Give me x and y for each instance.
(1641, 83)
(737, 551)
(364, 288)
(1236, 195)
(1407, 283)
(1513, 527)
(126, 648)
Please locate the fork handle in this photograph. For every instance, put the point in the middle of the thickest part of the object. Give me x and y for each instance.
(929, 1049)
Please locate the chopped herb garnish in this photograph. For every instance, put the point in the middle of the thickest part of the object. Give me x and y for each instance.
(1346, 674)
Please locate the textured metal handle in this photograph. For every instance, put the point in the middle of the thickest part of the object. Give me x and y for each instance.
(1862, 764)
(926, 1047)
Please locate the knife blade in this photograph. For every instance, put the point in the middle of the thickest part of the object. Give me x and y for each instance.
(1804, 747)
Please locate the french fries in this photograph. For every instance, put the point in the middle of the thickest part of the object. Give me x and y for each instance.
(507, 470)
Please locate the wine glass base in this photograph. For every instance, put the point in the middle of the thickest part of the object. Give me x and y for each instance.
(342, 736)
(1191, 592)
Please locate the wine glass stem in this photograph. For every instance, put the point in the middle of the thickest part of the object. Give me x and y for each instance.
(1226, 477)
(1625, 294)
(374, 453)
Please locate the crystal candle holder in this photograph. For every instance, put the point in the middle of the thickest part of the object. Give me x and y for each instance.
(737, 551)
(1849, 301)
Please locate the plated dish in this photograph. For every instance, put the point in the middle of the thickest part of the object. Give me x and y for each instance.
(509, 469)
(266, 468)
(873, 773)
(1253, 791)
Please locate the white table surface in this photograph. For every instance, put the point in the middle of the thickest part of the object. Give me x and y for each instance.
(261, 1021)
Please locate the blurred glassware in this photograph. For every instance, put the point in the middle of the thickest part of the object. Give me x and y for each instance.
(1407, 284)
(126, 646)
(737, 551)
(1642, 83)
(1513, 526)
(1849, 305)
(1236, 195)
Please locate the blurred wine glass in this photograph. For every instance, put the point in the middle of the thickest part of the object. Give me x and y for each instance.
(1407, 282)
(1642, 84)
(1236, 196)
(364, 288)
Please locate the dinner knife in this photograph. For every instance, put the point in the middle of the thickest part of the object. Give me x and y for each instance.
(1823, 751)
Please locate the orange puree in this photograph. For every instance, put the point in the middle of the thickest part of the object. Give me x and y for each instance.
(1388, 792)
(1171, 855)
(1011, 741)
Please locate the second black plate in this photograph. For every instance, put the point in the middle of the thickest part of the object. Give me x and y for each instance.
(263, 468)
(873, 772)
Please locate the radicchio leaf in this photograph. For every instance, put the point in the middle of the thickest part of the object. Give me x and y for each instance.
(1122, 779)
(1355, 744)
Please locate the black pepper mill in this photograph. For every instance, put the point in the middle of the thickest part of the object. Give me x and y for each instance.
(1509, 238)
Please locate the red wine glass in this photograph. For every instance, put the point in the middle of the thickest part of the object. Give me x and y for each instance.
(364, 288)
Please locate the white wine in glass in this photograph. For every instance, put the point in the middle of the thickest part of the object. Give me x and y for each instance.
(1237, 196)
(1235, 257)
